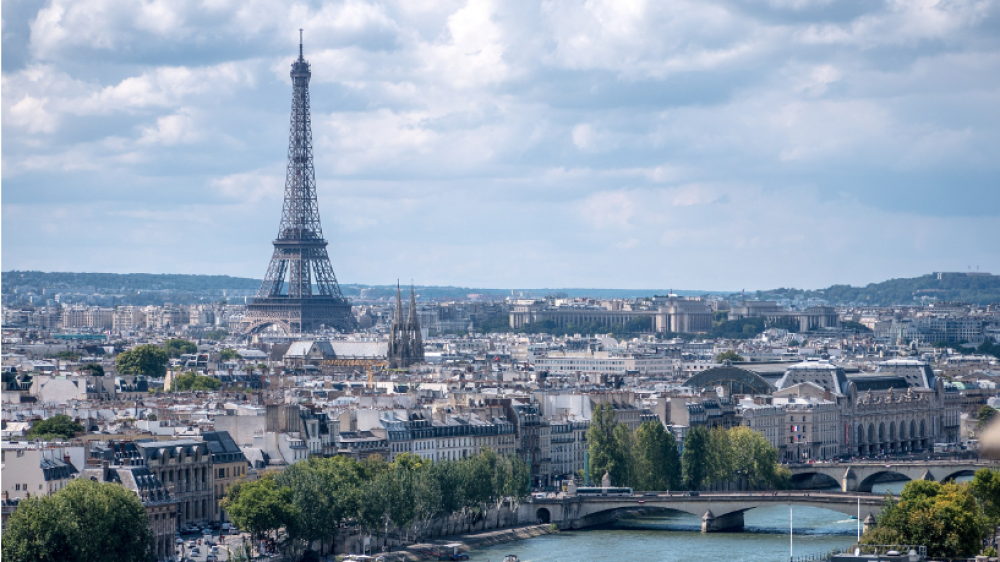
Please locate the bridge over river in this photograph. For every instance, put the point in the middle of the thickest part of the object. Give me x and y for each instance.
(861, 476)
(719, 511)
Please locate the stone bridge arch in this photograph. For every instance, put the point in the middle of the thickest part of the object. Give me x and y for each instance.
(866, 484)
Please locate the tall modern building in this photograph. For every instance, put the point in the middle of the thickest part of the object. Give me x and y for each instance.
(300, 292)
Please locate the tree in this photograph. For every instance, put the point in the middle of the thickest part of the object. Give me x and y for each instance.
(194, 381)
(657, 464)
(985, 415)
(754, 458)
(729, 355)
(84, 521)
(606, 447)
(149, 360)
(178, 347)
(260, 506)
(42, 529)
(720, 456)
(93, 368)
(215, 335)
(985, 487)
(229, 354)
(943, 517)
(54, 428)
(694, 457)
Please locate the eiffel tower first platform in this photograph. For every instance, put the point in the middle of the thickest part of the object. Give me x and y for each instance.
(300, 292)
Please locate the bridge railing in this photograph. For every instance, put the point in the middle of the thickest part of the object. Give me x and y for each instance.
(882, 549)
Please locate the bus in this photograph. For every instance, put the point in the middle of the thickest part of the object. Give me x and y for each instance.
(602, 492)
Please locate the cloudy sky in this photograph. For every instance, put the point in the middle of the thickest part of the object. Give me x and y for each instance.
(687, 144)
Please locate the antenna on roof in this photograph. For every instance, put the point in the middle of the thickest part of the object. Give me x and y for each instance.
(300, 43)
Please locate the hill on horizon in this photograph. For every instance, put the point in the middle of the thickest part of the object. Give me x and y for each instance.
(972, 287)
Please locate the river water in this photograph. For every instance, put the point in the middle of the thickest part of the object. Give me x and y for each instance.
(673, 536)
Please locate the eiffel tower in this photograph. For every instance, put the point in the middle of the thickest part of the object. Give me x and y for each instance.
(300, 292)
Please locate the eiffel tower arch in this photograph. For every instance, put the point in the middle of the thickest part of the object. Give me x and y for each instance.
(300, 292)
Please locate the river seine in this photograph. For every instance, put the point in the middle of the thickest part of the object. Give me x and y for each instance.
(673, 536)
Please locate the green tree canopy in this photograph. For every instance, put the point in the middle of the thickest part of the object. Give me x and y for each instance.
(657, 462)
(260, 506)
(55, 428)
(609, 452)
(985, 487)
(194, 381)
(84, 521)
(985, 415)
(229, 354)
(149, 360)
(694, 459)
(728, 355)
(94, 369)
(943, 517)
(215, 335)
(178, 347)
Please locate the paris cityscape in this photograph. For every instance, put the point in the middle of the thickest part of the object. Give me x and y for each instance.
(599, 281)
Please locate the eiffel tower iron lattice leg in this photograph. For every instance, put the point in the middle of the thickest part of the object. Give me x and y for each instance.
(300, 292)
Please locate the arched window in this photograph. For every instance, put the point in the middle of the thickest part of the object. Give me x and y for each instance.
(861, 434)
(892, 431)
(913, 429)
(881, 432)
(871, 433)
(923, 429)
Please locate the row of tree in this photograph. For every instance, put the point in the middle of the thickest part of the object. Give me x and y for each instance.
(312, 498)
(950, 519)
(649, 460)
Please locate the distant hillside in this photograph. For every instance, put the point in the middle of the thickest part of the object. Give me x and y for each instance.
(126, 282)
(976, 288)
(111, 283)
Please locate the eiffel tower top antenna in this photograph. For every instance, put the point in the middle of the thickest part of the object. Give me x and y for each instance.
(300, 43)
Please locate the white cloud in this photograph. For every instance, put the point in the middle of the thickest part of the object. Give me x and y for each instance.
(569, 141)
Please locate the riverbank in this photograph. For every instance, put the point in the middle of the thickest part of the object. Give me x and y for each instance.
(467, 542)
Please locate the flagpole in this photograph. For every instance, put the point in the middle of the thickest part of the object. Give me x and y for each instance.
(791, 531)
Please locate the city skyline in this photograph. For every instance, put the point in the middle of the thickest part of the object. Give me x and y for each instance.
(702, 146)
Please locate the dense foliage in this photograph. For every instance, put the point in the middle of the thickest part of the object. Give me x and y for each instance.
(648, 459)
(721, 455)
(215, 335)
(194, 381)
(976, 289)
(84, 521)
(149, 360)
(728, 355)
(94, 369)
(310, 499)
(178, 347)
(946, 518)
(59, 427)
(985, 415)
(229, 354)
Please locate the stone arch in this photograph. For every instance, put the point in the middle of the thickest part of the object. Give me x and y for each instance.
(913, 429)
(881, 432)
(892, 431)
(871, 433)
(866, 484)
(814, 481)
(902, 431)
(860, 436)
(956, 474)
(542, 515)
(923, 429)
